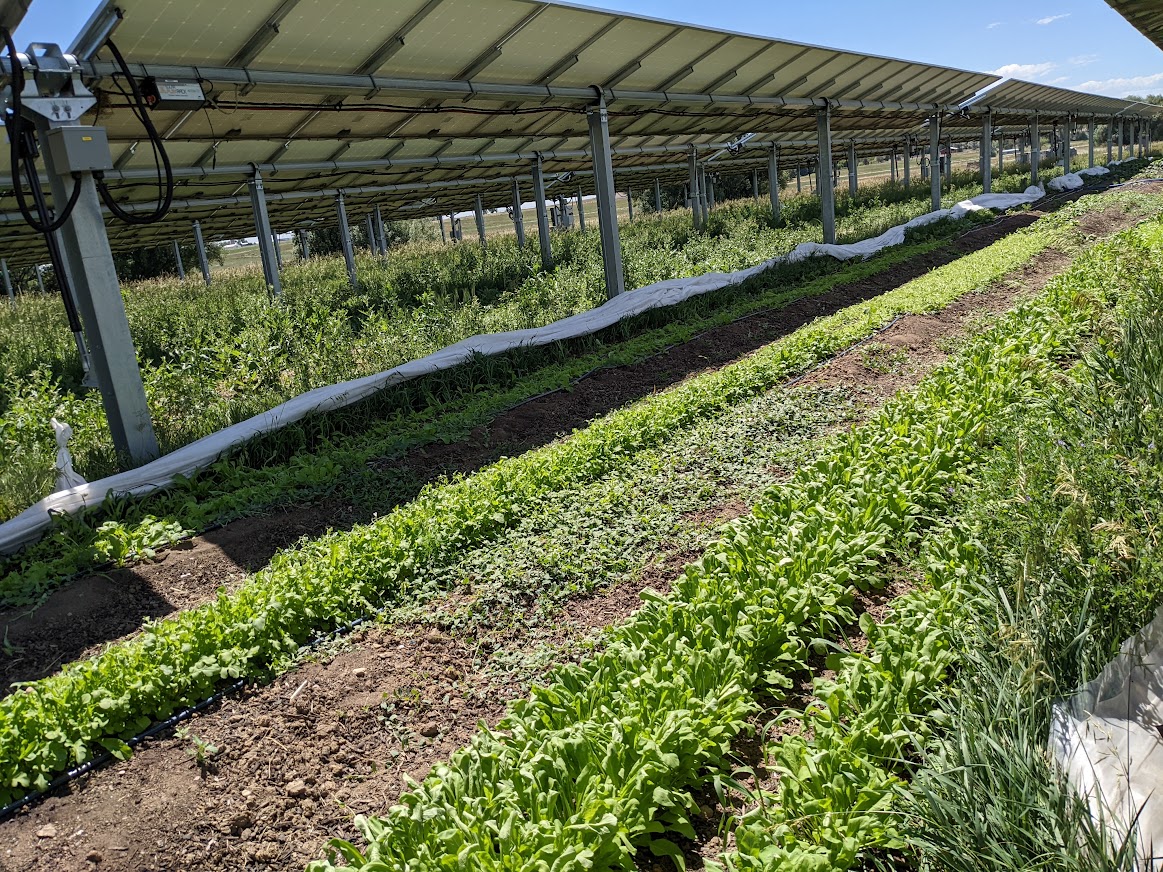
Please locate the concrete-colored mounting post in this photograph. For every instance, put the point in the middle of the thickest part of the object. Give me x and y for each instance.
(542, 215)
(827, 192)
(630, 203)
(1035, 149)
(908, 165)
(7, 281)
(892, 165)
(178, 261)
(935, 161)
(200, 244)
(478, 211)
(853, 181)
(40, 279)
(1090, 142)
(755, 184)
(443, 233)
(773, 183)
(657, 195)
(693, 189)
(607, 199)
(704, 197)
(1122, 135)
(1065, 145)
(987, 153)
(88, 263)
(581, 212)
(262, 226)
(304, 245)
(345, 241)
(518, 215)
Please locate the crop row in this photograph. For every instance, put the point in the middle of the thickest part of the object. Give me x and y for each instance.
(843, 779)
(600, 761)
(52, 724)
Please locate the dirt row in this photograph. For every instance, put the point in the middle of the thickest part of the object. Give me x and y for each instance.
(81, 617)
(286, 766)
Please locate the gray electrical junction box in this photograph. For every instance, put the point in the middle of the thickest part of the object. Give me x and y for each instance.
(79, 149)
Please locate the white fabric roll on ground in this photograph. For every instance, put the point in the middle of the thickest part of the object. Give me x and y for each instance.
(34, 521)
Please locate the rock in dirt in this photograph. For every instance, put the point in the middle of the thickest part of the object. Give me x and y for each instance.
(48, 831)
(430, 730)
(297, 788)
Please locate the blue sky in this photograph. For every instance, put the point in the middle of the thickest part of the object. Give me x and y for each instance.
(1072, 43)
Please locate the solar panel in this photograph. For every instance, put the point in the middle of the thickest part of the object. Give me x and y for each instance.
(1145, 15)
(1017, 97)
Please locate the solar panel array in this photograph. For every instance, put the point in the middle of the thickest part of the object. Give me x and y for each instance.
(419, 106)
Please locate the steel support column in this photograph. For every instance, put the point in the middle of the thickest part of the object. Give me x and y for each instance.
(178, 261)
(1090, 142)
(40, 278)
(892, 165)
(657, 195)
(200, 244)
(478, 211)
(581, 212)
(1110, 140)
(935, 161)
(853, 181)
(1122, 135)
(278, 249)
(304, 245)
(827, 193)
(7, 280)
(369, 231)
(607, 200)
(755, 184)
(773, 183)
(345, 241)
(630, 202)
(987, 153)
(518, 215)
(262, 226)
(1035, 149)
(1066, 162)
(443, 234)
(378, 227)
(112, 356)
(908, 165)
(542, 215)
(693, 188)
(704, 198)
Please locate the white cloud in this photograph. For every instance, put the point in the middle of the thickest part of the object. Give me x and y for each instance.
(1083, 60)
(1024, 71)
(1050, 19)
(992, 25)
(1124, 86)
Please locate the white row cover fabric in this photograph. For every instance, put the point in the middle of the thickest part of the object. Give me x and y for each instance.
(1108, 740)
(1074, 181)
(30, 524)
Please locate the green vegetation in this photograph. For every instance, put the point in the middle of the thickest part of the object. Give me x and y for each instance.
(215, 356)
(598, 763)
(49, 725)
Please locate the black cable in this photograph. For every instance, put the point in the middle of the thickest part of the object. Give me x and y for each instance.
(22, 153)
(161, 158)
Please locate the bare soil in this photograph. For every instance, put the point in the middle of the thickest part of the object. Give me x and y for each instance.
(293, 761)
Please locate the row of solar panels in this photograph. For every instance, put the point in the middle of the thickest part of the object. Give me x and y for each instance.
(421, 105)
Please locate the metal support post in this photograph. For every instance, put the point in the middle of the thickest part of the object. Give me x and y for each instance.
(178, 261)
(381, 236)
(657, 195)
(304, 245)
(93, 278)
(907, 167)
(853, 182)
(542, 215)
(773, 183)
(7, 280)
(935, 161)
(693, 188)
(892, 165)
(518, 215)
(478, 210)
(704, 197)
(755, 184)
(827, 193)
(278, 249)
(607, 200)
(1122, 135)
(1110, 140)
(1035, 149)
(345, 240)
(369, 231)
(630, 202)
(1066, 146)
(40, 278)
(200, 244)
(799, 179)
(443, 233)
(262, 226)
(1090, 142)
(581, 213)
(987, 153)
(949, 161)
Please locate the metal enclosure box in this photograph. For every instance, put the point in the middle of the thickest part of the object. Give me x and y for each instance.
(79, 149)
